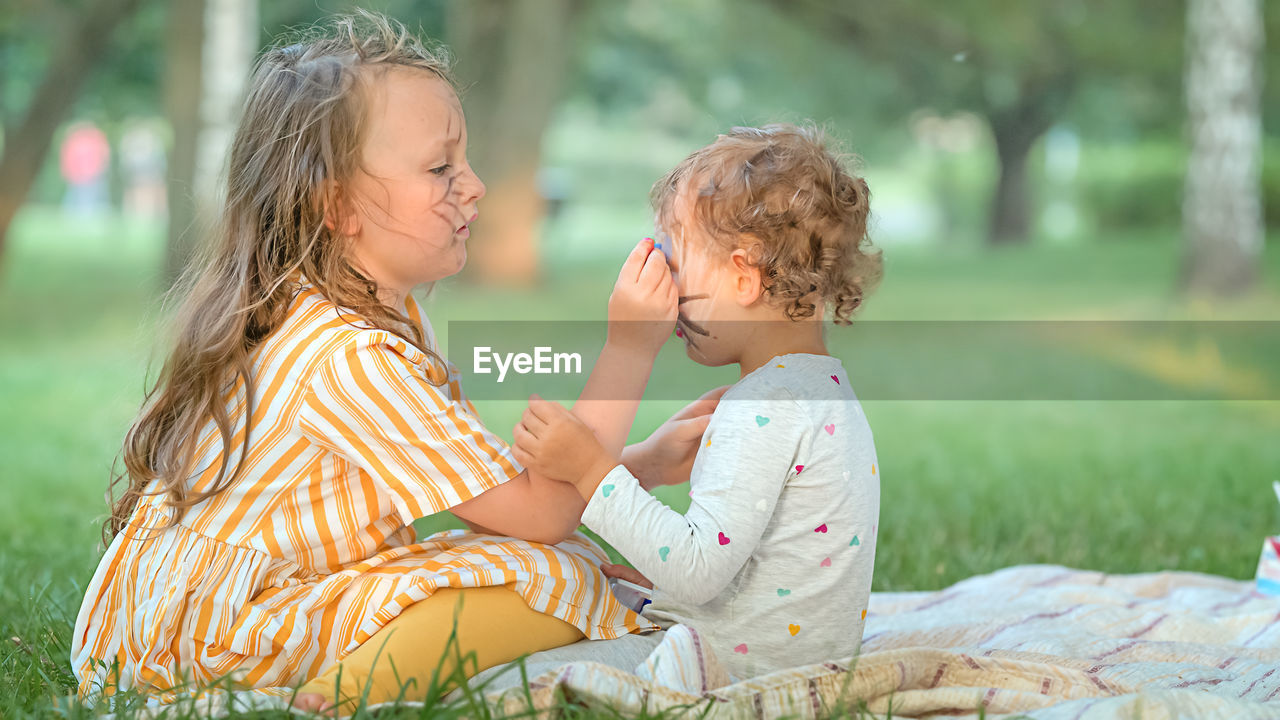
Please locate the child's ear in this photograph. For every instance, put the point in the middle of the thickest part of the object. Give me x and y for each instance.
(339, 215)
(746, 278)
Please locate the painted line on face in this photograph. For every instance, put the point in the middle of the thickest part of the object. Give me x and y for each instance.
(683, 320)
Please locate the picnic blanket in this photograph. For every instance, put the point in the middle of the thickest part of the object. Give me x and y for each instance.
(1043, 642)
(1035, 641)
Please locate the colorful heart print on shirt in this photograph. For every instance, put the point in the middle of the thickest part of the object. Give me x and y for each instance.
(762, 420)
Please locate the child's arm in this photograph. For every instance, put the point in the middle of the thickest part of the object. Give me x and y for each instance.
(666, 456)
(691, 557)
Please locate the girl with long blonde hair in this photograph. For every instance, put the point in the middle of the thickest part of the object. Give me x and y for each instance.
(304, 417)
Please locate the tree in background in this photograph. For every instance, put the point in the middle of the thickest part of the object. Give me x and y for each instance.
(1222, 207)
(1017, 65)
(511, 60)
(27, 140)
(685, 68)
(210, 47)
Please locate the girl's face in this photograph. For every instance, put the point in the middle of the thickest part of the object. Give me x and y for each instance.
(414, 194)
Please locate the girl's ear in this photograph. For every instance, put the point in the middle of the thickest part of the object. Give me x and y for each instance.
(746, 278)
(339, 215)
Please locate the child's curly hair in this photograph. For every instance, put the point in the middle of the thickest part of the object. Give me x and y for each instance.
(778, 192)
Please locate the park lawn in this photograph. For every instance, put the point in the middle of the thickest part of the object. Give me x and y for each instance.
(967, 486)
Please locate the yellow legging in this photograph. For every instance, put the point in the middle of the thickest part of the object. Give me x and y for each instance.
(493, 622)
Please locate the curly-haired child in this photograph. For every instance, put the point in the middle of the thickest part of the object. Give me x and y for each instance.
(771, 565)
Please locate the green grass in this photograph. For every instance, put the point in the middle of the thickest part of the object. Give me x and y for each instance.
(968, 487)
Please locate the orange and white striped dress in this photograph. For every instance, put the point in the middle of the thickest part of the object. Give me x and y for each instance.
(310, 550)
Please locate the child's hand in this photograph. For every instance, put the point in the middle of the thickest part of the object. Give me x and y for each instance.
(669, 452)
(644, 303)
(552, 442)
(622, 572)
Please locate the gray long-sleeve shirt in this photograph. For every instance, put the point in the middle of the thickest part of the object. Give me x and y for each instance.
(773, 560)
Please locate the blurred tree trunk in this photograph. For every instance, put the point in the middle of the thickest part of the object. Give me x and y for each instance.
(182, 81)
(1016, 130)
(1019, 88)
(512, 59)
(211, 48)
(1221, 209)
(27, 145)
(1010, 218)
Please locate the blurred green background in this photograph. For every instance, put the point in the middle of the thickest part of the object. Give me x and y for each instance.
(1027, 161)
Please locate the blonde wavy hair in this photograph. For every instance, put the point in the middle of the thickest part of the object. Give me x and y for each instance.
(298, 141)
(779, 193)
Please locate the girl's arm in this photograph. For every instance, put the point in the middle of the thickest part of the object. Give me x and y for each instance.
(372, 403)
(642, 312)
(691, 557)
(664, 458)
(525, 507)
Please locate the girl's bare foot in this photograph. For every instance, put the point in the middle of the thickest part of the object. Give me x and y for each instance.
(313, 702)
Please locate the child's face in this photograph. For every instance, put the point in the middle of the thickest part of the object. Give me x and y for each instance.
(414, 194)
(710, 319)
